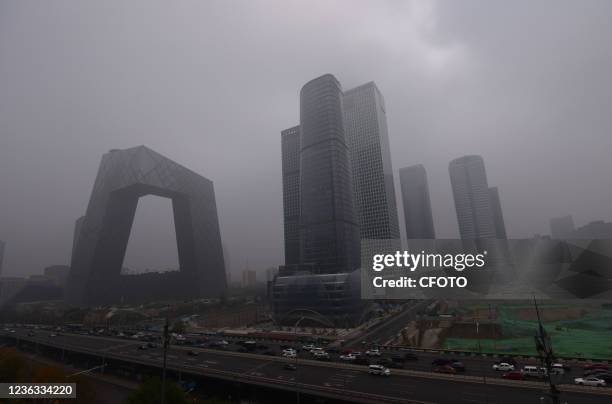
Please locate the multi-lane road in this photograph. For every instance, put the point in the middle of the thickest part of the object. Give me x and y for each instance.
(328, 379)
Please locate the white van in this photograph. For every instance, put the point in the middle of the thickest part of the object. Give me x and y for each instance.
(534, 371)
(378, 370)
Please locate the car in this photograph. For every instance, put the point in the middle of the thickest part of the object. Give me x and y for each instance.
(348, 357)
(373, 352)
(290, 366)
(557, 370)
(507, 359)
(458, 366)
(503, 367)
(514, 375)
(289, 354)
(321, 355)
(53, 335)
(440, 362)
(445, 369)
(315, 350)
(379, 370)
(534, 371)
(289, 351)
(590, 381)
(192, 353)
(592, 366)
(563, 365)
(308, 347)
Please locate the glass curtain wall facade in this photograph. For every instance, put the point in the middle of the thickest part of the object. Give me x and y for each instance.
(472, 201)
(329, 232)
(290, 145)
(417, 204)
(365, 122)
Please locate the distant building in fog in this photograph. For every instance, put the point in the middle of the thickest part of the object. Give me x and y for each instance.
(2, 246)
(472, 200)
(271, 273)
(10, 287)
(365, 129)
(249, 278)
(57, 274)
(562, 227)
(290, 149)
(594, 230)
(498, 217)
(417, 204)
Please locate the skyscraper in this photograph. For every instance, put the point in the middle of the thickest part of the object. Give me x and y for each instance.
(562, 227)
(2, 245)
(472, 201)
(329, 233)
(123, 177)
(498, 217)
(417, 205)
(290, 145)
(365, 125)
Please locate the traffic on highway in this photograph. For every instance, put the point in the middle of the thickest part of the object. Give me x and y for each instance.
(313, 363)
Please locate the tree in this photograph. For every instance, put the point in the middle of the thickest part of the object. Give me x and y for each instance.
(149, 392)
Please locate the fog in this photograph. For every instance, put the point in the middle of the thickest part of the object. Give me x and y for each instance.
(210, 84)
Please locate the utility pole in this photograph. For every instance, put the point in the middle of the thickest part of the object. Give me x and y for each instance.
(166, 341)
(547, 357)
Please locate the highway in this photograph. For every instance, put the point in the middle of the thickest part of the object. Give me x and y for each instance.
(326, 379)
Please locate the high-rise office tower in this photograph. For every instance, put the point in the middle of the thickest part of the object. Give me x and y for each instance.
(498, 217)
(290, 145)
(365, 128)
(562, 227)
(472, 201)
(329, 232)
(417, 205)
(2, 245)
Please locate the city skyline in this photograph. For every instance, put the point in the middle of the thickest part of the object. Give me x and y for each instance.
(457, 80)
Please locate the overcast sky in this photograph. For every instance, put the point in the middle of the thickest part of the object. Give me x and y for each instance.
(210, 84)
